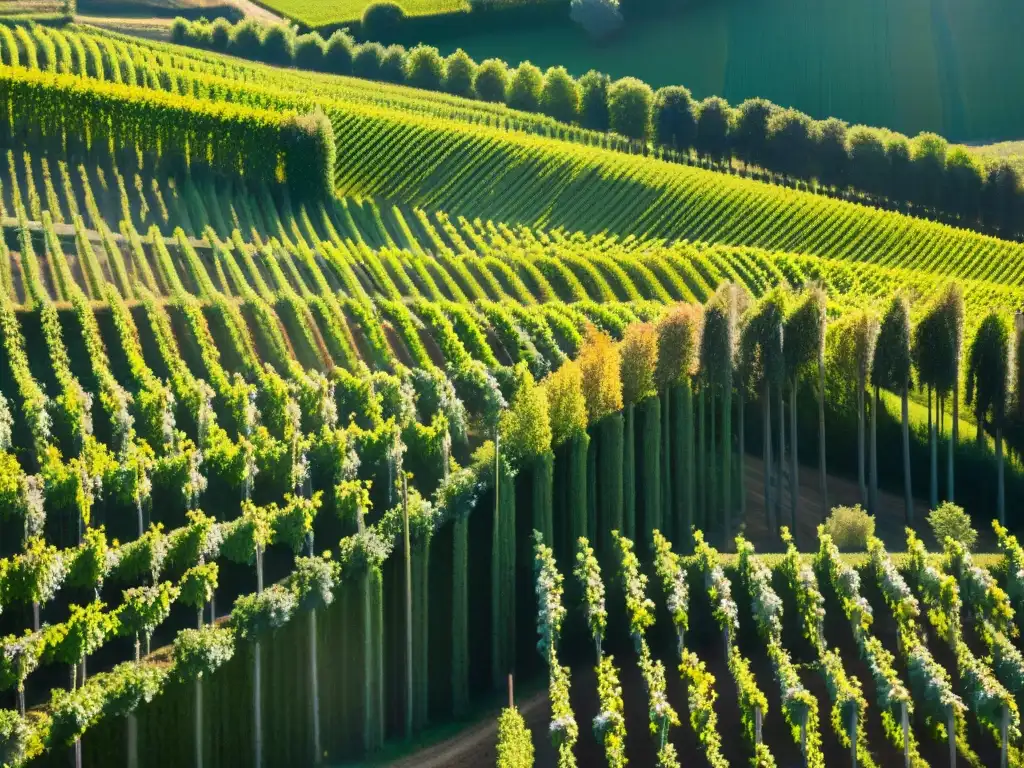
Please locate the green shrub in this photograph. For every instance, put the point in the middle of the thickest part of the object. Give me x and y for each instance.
(560, 95)
(220, 34)
(381, 21)
(525, 87)
(515, 747)
(425, 68)
(950, 521)
(278, 46)
(309, 51)
(629, 107)
(460, 72)
(246, 40)
(850, 528)
(393, 64)
(339, 53)
(367, 61)
(492, 81)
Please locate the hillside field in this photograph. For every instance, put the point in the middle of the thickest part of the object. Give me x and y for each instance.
(947, 66)
(326, 404)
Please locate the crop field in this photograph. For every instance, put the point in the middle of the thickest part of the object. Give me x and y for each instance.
(910, 65)
(321, 13)
(322, 401)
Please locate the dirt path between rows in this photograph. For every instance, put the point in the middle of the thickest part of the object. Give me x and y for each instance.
(476, 746)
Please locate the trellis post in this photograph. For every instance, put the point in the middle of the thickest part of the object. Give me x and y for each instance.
(905, 720)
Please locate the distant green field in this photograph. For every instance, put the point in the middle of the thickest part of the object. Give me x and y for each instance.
(952, 66)
(319, 13)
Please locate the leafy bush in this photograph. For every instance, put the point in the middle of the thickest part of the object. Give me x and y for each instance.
(309, 51)
(950, 521)
(393, 64)
(492, 81)
(525, 87)
(629, 107)
(515, 747)
(425, 68)
(278, 45)
(382, 20)
(14, 735)
(460, 73)
(367, 60)
(850, 528)
(338, 53)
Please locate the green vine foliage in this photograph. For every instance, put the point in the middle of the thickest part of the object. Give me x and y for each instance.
(14, 738)
(259, 613)
(199, 652)
(19, 656)
(313, 581)
(588, 573)
(87, 628)
(639, 607)
(1013, 557)
(198, 585)
(702, 697)
(145, 608)
(668, 567)
(610, 721)
(515, 747)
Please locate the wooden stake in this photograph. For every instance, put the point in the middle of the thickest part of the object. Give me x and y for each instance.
(951, 727)
(853, 738)
(1004, 732)
(408, 608)
(757, 724)
(511, 699)
(133, 741)
(906, 733)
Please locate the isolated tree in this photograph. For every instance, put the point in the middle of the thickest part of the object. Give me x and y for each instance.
(928, 169)
(594, 100)
(833, 158)
(804, 333)
(791, 143)
(424, 68)
(367, 60)
(393, 64)
(713, 116)
(674, 118)
(460, 72)
(309, 52)
(599, 18)
(891, 370)
(560, 95)
(382, 21)
(988, 385)
(762, 359)
(868, 165)
(339, 52)
(524, 87)
(679, 332)
(491, 82)
(629, 108)
(749, 132)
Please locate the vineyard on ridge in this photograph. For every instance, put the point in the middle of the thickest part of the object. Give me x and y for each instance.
(325, 405)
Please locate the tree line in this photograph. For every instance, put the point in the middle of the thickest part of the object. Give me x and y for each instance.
(774, 143)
